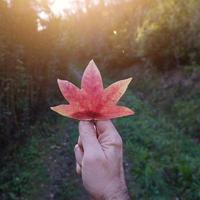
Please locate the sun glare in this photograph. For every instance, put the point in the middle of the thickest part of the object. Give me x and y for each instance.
(59, 6)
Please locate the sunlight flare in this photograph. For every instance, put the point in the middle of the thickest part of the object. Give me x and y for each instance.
(59, 6)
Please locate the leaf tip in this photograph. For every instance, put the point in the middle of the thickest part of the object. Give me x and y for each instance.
(133, 112)
(52, 108)
(92, 65)
(58, 80)
(129, 79)
(92, 62)
(130, 111)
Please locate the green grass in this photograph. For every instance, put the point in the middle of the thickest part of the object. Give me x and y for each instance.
(177, 99)
(163, 162)
(24, 172)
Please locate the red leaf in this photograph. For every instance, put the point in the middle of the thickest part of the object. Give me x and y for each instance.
(114, 92)
(69, 91)
(92, 102)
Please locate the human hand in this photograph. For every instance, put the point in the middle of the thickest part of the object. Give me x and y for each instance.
(99, 157)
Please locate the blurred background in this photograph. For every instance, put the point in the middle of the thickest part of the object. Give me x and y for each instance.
(157, 42)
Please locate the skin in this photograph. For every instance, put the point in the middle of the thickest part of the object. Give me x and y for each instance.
(99, 160)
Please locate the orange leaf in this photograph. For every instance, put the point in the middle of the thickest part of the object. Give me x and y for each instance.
(92, 102)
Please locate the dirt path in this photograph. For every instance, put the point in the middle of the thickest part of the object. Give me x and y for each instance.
(63, 182)
(58, 165)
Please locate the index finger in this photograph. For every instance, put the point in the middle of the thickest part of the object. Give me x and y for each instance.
(107, 132)
(88, 137)
(104, 126)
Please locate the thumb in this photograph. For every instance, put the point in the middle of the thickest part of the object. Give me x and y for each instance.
(88, 137)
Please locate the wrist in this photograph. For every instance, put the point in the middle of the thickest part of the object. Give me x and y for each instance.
(117, 190)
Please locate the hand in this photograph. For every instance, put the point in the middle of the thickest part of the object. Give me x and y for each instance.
(99, 160)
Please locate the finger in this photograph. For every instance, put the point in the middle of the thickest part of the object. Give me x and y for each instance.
(80, 143)
(78, 154)
(108, 134)
(78, 169)
(88, 138)
(106, 127)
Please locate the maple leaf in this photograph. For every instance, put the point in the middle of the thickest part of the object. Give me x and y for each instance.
(92, 101)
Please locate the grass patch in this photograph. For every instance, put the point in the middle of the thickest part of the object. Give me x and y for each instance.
(20, 176)
(165, 162)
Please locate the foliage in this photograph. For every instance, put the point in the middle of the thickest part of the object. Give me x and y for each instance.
(171, 40)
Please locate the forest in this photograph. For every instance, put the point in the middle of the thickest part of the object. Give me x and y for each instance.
(155, 42)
